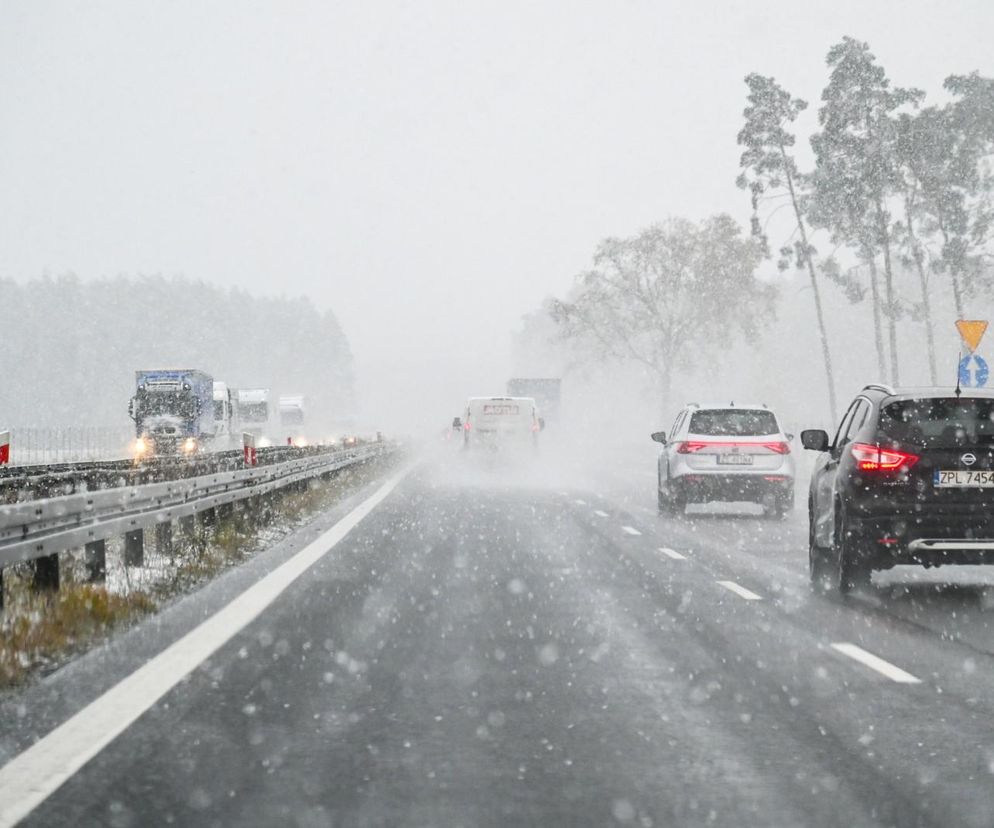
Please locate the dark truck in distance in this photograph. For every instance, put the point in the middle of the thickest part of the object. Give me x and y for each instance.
(908, 478)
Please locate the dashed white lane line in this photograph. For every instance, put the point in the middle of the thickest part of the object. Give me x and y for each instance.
(885, 668)
(32, 776)
(599, 513)
(672, 553)
(630, 530)
(579, 502)
(741, 591)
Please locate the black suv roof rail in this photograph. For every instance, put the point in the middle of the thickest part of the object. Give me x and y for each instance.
(878, 386)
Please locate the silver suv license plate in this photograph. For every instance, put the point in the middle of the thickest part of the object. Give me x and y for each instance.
(963, 479)
(734, 459)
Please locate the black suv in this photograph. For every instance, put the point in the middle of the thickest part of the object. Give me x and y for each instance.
(908, 479)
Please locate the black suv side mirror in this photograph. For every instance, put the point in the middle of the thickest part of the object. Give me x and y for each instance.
(815, 439)
(456, 422)
(659, 436)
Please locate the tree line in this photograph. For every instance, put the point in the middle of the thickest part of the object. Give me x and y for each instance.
(70, 347)
(899, 192)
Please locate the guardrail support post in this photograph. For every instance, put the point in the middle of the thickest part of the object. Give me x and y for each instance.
(164, 538)
(46, 577)
(208, 518)
(1, 587)
(188, 527)
(134, 548)
(96, 561)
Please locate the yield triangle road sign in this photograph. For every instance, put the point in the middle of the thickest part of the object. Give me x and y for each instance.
(972, 331)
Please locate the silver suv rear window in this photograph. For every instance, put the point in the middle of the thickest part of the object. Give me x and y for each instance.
(734, 422)
(940, 422)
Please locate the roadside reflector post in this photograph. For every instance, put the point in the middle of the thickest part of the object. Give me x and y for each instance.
(249, 454)
(95, 556)
(46, 574)
(134, 548)
(4, 448)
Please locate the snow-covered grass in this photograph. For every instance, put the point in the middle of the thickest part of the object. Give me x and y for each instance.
(38, 632)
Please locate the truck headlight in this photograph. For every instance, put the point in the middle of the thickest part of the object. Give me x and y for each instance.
(189, 445)
(140, 446)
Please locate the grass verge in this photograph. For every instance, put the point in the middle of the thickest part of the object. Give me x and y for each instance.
(39, 632)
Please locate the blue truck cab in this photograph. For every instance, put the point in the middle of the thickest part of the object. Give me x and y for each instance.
(173, 412)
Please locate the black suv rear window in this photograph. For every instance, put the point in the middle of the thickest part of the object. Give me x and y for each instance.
(940, 422)
(734, 422)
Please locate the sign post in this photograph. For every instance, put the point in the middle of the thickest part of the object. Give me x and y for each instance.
(973, 368)
(248, 449)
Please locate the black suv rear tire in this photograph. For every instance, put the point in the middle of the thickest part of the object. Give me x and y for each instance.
(819, 562)
(852, 565)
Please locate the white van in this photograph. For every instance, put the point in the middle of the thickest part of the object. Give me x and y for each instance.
(501, 420)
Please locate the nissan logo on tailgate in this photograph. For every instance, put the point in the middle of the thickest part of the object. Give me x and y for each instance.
(968, 459)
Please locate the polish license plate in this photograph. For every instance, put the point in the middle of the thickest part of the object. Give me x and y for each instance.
(734, 459)
(962, 478)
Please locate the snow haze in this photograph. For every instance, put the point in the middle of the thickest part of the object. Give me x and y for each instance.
(427, 171)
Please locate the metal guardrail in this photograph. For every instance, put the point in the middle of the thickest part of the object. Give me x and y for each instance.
(19, 483)
(39, 528)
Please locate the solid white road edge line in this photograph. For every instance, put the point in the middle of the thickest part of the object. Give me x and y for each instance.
(599, 513)
(31, 777)
(741, 591)
(885, 668)
(630, 530)
(672, 553)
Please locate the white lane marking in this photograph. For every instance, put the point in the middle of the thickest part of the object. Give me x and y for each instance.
(741, 591)
(31, 777)
(599, 513)
(885, 668)
(579, 502)
(672, 553)
(630, 530)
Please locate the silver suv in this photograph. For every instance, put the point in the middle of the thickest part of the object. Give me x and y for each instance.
(726, 453)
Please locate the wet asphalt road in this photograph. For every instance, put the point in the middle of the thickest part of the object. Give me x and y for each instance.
(484, 649)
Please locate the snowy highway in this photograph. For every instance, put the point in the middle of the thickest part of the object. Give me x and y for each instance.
(479, 653)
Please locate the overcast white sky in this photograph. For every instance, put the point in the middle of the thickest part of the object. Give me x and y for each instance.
(428, 170)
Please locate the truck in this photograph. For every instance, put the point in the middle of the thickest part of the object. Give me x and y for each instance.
(546, 391)
(173, 411)
(252, 410)
(291, 407)
(223, 412)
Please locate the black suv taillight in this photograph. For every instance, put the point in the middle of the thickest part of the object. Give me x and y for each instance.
(875, 459)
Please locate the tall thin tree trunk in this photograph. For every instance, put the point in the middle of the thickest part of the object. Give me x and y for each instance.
(878, 330)
(815, 292)
(954, 276)
(891, 308)
(957, 294)
(916, 253)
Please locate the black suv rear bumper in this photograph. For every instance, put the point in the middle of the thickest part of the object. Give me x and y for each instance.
(929, 541)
